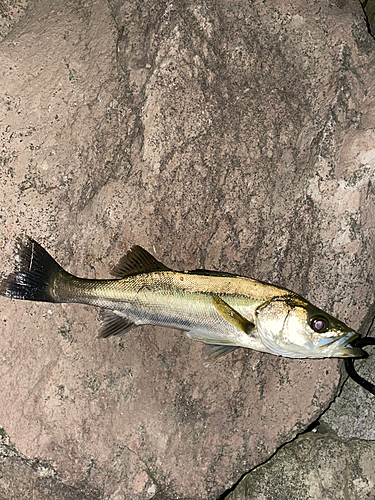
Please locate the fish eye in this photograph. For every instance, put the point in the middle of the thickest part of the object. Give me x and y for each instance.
(319, 324)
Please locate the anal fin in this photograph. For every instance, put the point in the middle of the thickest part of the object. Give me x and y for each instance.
(114, 324)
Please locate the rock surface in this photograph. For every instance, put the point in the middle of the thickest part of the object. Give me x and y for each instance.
(313, 466)
(22, 478)
(234, 137)
(11, 11)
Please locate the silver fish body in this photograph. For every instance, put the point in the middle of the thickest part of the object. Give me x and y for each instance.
(224, 311)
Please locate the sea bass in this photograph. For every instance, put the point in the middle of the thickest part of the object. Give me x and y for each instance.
(222, 310)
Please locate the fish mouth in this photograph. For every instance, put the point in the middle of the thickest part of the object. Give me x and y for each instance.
(347, 349)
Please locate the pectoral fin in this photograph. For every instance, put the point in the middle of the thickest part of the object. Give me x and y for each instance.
(232, 316)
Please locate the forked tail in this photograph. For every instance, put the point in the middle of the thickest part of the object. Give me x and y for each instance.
(35, 274)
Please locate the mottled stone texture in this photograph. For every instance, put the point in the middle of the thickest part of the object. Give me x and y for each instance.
(11, 11)
(25, 479)
(315, 466)
(227, 135)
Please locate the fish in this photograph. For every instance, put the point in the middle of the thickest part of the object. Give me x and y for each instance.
(222, 310)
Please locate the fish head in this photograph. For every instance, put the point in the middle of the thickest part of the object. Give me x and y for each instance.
(292, 327)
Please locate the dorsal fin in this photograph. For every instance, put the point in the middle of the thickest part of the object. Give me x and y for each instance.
(137, 260)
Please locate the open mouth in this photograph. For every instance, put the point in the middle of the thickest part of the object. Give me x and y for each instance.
(347, 350)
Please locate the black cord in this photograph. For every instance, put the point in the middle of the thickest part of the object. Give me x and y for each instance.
(349, 364)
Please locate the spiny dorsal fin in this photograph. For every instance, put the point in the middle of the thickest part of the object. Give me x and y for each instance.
(137, 260)
(113, 324)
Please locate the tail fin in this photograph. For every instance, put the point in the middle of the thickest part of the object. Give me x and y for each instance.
(35, 272)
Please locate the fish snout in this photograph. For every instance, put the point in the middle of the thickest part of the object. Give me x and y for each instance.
(348, 348)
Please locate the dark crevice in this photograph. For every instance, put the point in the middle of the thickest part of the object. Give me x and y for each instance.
(368, 7)
(315, 426)
(224, 495)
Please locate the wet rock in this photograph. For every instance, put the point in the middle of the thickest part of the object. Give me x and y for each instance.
(313, 466)
(233, 137)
